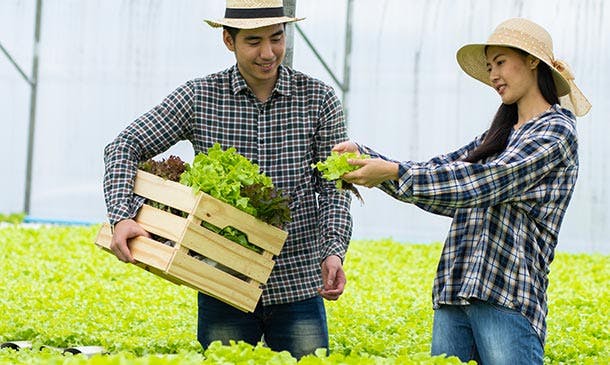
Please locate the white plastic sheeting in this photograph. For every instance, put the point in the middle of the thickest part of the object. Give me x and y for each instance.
(103, 63)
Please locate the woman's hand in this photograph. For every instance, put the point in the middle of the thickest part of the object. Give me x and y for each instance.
(372, 172)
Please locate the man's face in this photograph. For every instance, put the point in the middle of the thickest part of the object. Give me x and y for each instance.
(259, 53)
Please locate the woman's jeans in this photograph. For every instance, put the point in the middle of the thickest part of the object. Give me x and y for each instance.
(299, 327)
(486, 333)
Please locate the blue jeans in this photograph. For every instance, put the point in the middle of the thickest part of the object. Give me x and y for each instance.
(486, 333)
(299, 327)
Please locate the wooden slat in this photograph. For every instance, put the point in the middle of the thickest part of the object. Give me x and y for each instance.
(162, 274)
(179, 268)
(161, 223)
(228, 253)
(222, 215)
(257, 283)
(144, 250)
(215, 282)
(104, 236)
(150, 255)
(209, 209)
(164, 191)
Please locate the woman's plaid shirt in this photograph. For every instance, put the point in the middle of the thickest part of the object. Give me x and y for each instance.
(506, 213)
(296, 127)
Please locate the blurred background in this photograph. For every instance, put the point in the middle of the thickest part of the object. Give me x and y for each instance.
(102, 63)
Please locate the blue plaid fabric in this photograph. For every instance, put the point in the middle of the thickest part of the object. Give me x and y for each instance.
(506, 210)
(296, 127)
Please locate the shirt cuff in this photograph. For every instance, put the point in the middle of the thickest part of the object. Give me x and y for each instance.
(125, 211)
(334, 249)
(405, 180)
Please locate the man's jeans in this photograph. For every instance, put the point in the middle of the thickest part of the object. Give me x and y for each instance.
(487, 333)
(300, 327)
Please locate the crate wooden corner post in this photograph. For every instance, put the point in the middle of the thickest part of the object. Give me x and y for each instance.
(230, 272)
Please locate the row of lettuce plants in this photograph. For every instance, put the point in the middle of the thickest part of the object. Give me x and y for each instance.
(59, 290)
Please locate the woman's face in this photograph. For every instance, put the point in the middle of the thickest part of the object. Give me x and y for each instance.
(511, 73)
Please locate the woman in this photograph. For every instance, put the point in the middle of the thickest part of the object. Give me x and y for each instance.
(507, 192)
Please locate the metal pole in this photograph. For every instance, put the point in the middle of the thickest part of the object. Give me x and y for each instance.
(32, 122)
(289, 10)
(347, 58)
(319, 57)
(14, 63)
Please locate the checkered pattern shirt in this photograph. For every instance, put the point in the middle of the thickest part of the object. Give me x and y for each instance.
(296, 127)
(506, 210)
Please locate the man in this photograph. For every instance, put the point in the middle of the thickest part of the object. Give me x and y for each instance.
(281, 120)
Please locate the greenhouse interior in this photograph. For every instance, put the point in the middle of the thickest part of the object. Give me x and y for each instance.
(75, 74)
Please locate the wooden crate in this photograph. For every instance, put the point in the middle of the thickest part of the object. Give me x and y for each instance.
(245, 270)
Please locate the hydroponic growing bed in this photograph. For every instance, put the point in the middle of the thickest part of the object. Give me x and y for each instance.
(59, 290)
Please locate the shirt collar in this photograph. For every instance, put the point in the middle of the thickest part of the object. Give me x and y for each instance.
(282, 86)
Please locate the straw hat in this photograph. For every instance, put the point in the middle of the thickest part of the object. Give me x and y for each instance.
(530, 37)
(250, 14)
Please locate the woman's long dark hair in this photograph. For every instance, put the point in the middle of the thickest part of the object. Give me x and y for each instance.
(506, 117)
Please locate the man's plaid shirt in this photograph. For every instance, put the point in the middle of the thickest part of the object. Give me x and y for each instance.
(296, 127)
(506, 210)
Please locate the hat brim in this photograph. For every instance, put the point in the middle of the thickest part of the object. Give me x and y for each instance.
(472, 60)
(251, 23)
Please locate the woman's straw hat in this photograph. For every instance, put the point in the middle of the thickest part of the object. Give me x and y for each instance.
(530, 37)
(250, 14)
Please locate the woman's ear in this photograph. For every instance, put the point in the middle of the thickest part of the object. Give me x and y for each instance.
(532, 62)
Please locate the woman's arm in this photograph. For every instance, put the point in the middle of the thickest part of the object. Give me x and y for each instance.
(442, 187)
(515, 171)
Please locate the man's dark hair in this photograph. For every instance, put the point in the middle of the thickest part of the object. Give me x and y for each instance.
(232, 31)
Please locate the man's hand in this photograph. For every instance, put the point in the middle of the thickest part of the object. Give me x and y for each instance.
(347, 146)
(123, 231)
(333, 278)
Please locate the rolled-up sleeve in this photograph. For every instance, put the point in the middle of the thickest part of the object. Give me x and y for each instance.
(149, 135)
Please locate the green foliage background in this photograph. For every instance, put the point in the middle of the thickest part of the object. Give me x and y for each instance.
(58, 289)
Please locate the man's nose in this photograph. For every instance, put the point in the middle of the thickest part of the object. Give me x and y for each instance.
(266, 51)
